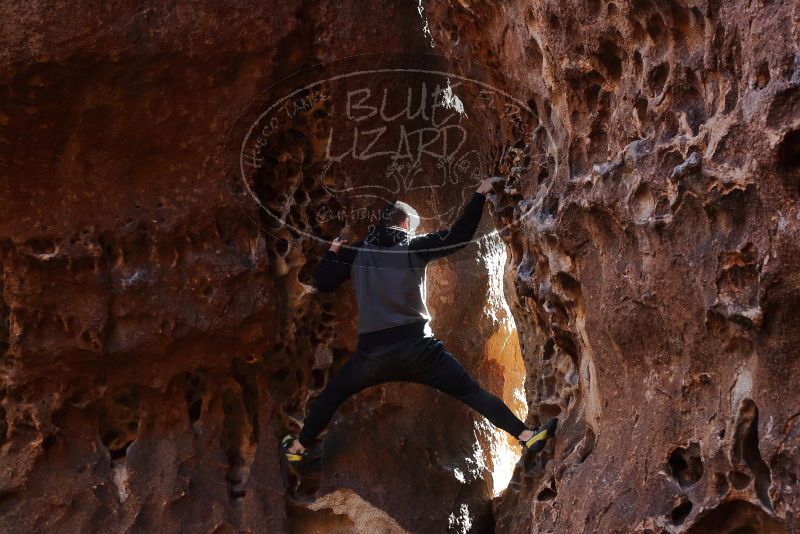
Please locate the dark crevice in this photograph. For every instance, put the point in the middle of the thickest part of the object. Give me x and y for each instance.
(657, 78)
(720, 484)
(234, 442)
(240, 428)
(586, 446)
(738, 517)
(194, 394)
(119, 422)
(549, 492)
(548, 350)
(681, 512)
(745, 450)
(789, 160)
(686, 464)
(609, 56)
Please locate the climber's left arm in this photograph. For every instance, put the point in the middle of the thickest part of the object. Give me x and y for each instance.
(449, 240)
(334, 269)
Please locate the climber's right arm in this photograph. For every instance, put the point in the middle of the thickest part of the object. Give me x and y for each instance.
(444, 242)
(334, 268)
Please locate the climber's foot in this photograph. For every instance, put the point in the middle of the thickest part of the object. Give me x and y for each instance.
(292, 449)
(534, 440)
(297, 447)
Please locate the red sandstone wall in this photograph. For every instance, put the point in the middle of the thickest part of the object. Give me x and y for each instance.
(655, 268)
(157, 334)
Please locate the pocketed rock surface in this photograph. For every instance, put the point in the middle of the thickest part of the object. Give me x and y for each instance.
(654, 270)
(159, 334)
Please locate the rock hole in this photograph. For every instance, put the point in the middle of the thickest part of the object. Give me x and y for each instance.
(549, 492)
(542, 177)
(48, 442)
(549, 349)
(195, 408)
(567, 344)
(548, 411)
(637, 34)
(762, 76)
(282, 247)
(739, 479)
(656, 28)
(686, 464)
(118, 421)
(681, 512)
(195, 389)
(733, 516)
(533, 107)
(235, 442)
(745, 449)
(641, 108)
(546, 495)
(551, 205)
(720, 485)
(695, 117)
(86, 338)
(598, 140)
(569, 285)
(590, 95)
(789, 161)
(681, 21)
(657, 79)
(637, 61)
(609, 57)
(586, 446)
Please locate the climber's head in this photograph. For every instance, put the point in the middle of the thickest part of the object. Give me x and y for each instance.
(400, 215)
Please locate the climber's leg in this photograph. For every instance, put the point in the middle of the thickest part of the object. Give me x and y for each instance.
(357, 374)
(437, 368)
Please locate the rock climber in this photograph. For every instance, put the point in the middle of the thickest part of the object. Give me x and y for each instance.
(395, 340)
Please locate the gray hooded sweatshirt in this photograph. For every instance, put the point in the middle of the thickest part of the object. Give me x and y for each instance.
(388, 273)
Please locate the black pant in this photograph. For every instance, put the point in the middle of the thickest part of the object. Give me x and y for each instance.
(422, 360)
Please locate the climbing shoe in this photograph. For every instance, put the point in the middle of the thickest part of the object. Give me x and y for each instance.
(292, 457)
(540, 436)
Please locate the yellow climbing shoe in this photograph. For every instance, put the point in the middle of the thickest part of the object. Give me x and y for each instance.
(292, 457)
(540, 436)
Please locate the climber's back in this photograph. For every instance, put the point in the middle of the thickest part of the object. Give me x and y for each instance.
(389, 281)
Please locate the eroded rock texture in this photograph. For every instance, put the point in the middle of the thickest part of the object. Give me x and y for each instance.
(158, 333)
(654, 270)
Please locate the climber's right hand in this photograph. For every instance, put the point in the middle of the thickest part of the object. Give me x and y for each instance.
(336, 244)
(485, 186)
